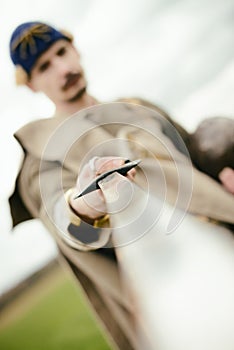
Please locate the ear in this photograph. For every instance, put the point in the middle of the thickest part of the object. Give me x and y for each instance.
(21, 77)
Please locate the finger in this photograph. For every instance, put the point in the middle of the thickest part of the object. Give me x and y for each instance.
(103, 165)
(131, 174)
(92, 162)
(91, 205)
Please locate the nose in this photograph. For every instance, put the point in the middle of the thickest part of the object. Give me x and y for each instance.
(61, 66)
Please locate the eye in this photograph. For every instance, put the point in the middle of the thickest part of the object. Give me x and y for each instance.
(61, 51)
(43, 66)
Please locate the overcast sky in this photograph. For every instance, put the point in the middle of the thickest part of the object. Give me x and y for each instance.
(176, 53)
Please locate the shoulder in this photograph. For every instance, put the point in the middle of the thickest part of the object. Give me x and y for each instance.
(33, 135)
(145, 103)
(170, 127)
(26, 129)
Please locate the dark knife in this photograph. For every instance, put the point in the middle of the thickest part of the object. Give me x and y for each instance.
(122, 170)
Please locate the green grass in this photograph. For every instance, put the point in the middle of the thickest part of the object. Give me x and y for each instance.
(58, 320)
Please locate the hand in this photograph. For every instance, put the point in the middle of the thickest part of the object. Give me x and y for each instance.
(92, 205)
(226, 176)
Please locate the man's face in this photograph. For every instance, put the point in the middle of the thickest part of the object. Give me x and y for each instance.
(58, 73)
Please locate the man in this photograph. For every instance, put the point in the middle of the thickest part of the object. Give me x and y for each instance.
(63, 154)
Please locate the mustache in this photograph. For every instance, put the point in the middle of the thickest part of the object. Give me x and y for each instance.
(71, 78)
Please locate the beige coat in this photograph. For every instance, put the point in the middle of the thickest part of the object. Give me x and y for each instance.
(57, 147)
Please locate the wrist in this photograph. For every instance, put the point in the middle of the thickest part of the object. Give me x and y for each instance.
(78, 209)
(73, 216)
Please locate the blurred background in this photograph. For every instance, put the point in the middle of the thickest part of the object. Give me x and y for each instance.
(175, 53)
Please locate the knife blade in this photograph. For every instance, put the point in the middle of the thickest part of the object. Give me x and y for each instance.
(123, 170)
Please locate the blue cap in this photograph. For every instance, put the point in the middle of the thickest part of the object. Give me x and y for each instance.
(29, 40)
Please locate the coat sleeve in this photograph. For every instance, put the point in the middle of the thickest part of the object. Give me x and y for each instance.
(41, 187)
(19, 212)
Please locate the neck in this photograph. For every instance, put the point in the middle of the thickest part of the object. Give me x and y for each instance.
(69, 108)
